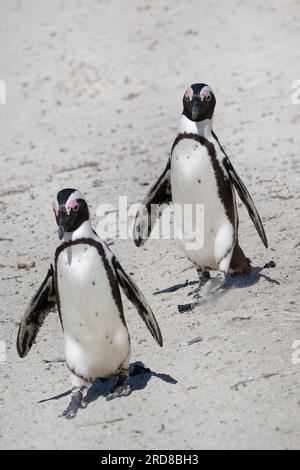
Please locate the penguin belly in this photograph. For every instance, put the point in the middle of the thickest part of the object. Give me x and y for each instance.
(193, 181)
(96, 339)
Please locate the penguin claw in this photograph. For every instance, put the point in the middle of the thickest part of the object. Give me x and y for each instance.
(69, 414)
(121, 391)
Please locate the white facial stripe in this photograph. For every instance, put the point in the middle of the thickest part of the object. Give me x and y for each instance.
(55, 206)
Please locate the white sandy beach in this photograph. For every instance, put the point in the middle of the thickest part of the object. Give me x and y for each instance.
(94, 90)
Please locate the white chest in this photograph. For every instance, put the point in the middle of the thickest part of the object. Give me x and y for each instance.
(96, 340)
(195, 190)
(193, 179)
(191, 172)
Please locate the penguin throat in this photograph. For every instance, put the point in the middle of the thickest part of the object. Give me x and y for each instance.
(202, 128)
(83, 231)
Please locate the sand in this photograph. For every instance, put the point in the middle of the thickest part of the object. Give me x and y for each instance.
(94, 93)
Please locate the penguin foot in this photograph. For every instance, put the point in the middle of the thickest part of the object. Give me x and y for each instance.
(119, 391)
(74, 405)
(204, 277)
(213, 286)
(122, 387)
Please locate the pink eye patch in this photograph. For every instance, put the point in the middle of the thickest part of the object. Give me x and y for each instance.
(188, 96)
(205, 94)
(72, 205)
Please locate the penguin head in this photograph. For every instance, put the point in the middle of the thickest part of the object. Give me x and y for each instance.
(70, 209)
(199, 102)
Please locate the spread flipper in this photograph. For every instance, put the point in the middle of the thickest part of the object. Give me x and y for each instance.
(246, 199)
(152, 206)
(39, 307)
(133, 294)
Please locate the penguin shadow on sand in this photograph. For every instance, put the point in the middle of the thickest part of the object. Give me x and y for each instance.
(139, 376)
(231, 282)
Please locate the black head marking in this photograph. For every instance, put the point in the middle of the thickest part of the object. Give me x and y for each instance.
(64, 194)
(199, 102)
(70, 210)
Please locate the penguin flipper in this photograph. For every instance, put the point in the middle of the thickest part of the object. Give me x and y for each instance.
(246, 199)
(135, 296)
(37, 310)
(152, 206)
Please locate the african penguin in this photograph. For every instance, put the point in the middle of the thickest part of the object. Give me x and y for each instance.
(200, 172)
(84, 285)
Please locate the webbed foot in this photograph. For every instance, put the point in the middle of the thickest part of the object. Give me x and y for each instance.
(204, 277)
(121, 388)
(213, 286)
(75, 403)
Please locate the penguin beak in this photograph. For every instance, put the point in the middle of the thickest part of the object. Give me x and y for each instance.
(61, 221)
(195, 108)
(61, 231)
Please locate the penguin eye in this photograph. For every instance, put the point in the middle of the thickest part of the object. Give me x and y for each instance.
(76, 207)
(186, 98)
(208, 98)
